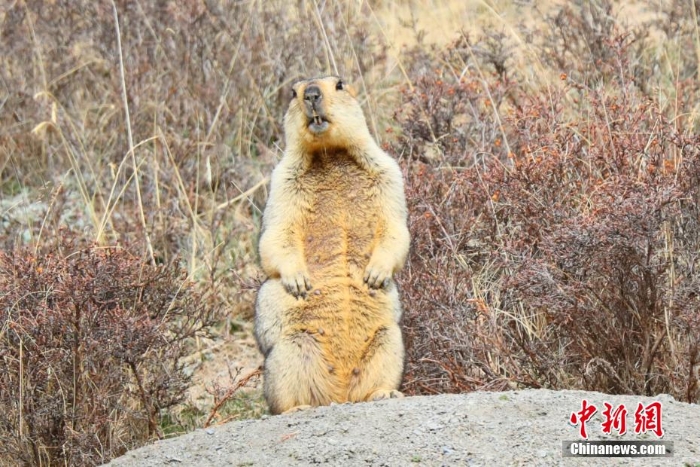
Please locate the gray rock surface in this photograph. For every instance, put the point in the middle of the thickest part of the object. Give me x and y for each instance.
(476, 429)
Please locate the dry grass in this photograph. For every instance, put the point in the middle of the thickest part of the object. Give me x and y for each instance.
(537, 138)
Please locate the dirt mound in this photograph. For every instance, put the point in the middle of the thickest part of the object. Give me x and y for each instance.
(507, 428)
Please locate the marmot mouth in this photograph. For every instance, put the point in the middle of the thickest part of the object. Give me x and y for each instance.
(318, 124)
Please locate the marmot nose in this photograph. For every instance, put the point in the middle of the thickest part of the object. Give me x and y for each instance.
(312, 94)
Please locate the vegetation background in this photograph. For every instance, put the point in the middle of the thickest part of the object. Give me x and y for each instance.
(552, 165)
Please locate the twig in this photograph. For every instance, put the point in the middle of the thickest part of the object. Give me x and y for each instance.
(146, 401)
(239, 384)
(244, 194)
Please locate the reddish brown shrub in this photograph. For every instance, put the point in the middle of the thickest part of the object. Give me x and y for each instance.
(90, 342)
(566, 262)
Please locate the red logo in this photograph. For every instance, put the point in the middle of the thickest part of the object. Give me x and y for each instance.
(615, 419)
(582, 416)
(646, 418)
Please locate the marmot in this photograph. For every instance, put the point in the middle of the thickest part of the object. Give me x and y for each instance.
(334, 233)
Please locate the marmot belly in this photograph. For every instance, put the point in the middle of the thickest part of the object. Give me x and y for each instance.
(345, 317)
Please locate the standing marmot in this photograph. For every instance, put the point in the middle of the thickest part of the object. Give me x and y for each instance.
(334, 233)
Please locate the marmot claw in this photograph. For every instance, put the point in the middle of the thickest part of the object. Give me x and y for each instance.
(377, 278)
(297, 284)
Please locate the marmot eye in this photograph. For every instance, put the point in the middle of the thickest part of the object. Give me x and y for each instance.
(294, 93)
(339, 85)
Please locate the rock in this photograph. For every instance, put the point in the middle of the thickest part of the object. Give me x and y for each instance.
(452, 429)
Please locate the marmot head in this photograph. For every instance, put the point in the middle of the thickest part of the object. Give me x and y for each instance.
(324, 115)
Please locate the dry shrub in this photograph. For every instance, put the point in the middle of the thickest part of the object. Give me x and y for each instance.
(576, 41)
(605, 245)
(567, 260)
(453, 112)
(90, 344)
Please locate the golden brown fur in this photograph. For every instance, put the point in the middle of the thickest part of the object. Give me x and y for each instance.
(334, 233)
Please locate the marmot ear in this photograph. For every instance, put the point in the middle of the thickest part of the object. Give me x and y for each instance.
(350, 89)
(295, 90)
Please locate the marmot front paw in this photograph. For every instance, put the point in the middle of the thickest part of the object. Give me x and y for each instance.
(377, 276)
(297, 283)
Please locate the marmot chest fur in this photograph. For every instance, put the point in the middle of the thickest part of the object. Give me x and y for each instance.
(343, 222)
